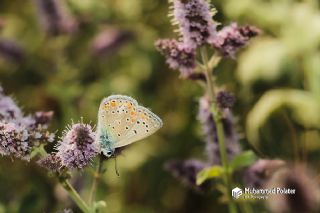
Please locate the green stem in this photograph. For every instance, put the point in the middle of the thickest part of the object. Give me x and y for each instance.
(95, 181)
(246, 207)
(220, 131)
(75, 196)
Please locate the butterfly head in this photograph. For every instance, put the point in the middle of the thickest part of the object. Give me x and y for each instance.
(107, 147)
(108, 152)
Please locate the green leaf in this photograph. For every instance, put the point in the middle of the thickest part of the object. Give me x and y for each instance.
(207, 173)
(99, 205)
(263, 59)
(303, 105)
(242, 160)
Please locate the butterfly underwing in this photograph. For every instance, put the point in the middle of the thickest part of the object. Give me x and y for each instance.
(121, 121)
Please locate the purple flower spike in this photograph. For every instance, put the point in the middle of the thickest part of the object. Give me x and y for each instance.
(77, 146)
(8, 109)
(259, 173)
(14, 141)
(194, 18)
(43, 118)
(54, 17)
(209, 129)
(50, 162)
(11, 51)
(306, 190)
(109, 41)
(225, 99)
(187, 171)
(233, 37)
(178, 56)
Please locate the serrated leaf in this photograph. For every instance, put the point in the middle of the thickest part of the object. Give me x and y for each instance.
(208, 173)
(242, 160)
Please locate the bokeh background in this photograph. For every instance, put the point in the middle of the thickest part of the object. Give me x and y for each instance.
(94, 48)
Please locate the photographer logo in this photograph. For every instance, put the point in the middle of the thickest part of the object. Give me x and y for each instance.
(236, 192)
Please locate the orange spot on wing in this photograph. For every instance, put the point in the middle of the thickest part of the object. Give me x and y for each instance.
(129, 105)
(133, 113)
(113, 103)
(106, 106)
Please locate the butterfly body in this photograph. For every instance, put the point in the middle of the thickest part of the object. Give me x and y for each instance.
(121, 121)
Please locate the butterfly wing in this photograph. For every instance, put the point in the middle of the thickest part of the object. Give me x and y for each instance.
(125, 121)
(115, 114)
(146, 123)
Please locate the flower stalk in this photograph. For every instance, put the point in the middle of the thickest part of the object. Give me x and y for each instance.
(96, 179)
(75, 196)
(219, 126)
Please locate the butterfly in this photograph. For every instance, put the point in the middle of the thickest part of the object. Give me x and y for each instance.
(121, 121)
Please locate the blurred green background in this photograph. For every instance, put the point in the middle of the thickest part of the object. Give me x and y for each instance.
(276, 81)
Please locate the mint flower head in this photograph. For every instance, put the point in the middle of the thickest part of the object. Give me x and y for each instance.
(54, 17)
(206, 118)
(50, 162)
(305, 186)
(8, 108)
(20, 134)
(186, 171)
(233, 37)
(194, 18)
(11, 51)
(178, 56)
(225, 99)
(14, 141)
(77, 147)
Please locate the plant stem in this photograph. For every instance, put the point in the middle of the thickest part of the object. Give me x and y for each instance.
(95, 181)
(220, 131)
(246, 207)
(75, 196)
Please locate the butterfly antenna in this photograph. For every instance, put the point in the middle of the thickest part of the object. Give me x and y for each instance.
(116, 166)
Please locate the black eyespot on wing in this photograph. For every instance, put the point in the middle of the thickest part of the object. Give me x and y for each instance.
(127, 127)
(135, 131)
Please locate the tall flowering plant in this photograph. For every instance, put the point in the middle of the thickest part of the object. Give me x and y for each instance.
(189, 54)
(25, 137)
(195, 54)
